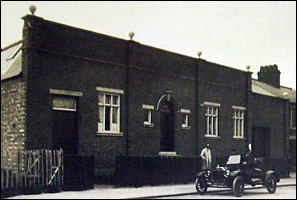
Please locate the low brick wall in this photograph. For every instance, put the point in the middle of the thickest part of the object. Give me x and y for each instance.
(281, 167)
(155, 170)
(78, 172)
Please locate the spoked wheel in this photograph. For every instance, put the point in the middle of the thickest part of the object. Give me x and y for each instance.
(270, 182)
(238, 186)
(201, 185)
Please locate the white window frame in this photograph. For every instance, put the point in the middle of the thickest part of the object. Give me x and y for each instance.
(291, 116)
(238, 125)
(185, 113)
(212, 131)
(114, 127)
(148, 108)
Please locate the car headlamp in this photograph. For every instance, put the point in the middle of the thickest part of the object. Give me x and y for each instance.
(207, 173)
(227, 173)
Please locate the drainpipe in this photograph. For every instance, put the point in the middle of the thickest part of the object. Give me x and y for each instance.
(196, 108)
(247, 111)
(127, 96)
(285, 128)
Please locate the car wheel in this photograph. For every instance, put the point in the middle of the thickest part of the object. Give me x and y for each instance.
(201, 185)
(238, 186)
(270, 182)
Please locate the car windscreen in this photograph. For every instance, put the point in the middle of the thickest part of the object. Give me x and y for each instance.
(233, 160)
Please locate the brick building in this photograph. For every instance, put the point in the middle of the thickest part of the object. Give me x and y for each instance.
(274, 113)
(99, 95)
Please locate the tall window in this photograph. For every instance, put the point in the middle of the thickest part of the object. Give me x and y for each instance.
(293, 118)
(238, 117)
(212, 119)
(108, 112)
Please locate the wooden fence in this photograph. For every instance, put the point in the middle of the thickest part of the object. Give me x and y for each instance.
(33, 170)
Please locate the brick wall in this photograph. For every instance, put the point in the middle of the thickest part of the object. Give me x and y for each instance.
(228, 87)
(269, 112)
(57, 59)
(13, 115)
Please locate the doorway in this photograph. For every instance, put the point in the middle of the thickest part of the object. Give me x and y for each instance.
(167, 126)
(261, 142)
(65, 125)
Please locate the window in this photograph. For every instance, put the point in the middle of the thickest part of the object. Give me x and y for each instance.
(238, 117)
(64, 103)
(293, 118)
(185, 118)
(212, 119)
(147, 117)
(108, 112)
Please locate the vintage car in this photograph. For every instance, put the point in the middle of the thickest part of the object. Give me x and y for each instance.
(238, 171)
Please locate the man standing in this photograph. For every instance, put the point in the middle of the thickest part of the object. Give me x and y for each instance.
(206, 157)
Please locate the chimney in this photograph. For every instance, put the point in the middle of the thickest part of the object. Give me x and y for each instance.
(270, 75)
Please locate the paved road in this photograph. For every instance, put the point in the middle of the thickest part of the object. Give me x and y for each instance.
(282, 192)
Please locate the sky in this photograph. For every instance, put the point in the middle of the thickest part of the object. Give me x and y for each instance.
(234, 34)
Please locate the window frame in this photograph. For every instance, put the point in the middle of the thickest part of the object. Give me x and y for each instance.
(185, 113)
(214, 117)
(292, 109)
(238, 122)
(62, 97)
(148, 108)
(114, 128)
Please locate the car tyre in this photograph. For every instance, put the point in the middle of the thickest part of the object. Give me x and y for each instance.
(238, 186)
(270, 182)
(201, 185)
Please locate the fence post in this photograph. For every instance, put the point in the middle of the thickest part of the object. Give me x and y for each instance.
(62, 165)
(42, 163)
(30, 171)
(25, 164)
(7, 177)
(2, 178)
(34, 167)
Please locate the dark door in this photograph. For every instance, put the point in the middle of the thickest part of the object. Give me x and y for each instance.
(65, 132)
(261, 142)
(167, 126)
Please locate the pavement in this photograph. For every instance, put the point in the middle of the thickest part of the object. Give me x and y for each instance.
(112, 192)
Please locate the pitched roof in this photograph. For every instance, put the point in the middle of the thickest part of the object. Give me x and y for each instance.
(11, 60)
(268, 90)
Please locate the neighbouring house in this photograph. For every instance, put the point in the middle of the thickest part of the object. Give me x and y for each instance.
(93, 94)
(274, 113)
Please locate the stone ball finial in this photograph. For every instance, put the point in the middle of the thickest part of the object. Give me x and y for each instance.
(285, 94)
(32, 9)
(131, 35)
(248, 67)
(199, 53)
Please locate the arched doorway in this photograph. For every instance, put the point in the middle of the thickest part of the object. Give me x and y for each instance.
(167, 126)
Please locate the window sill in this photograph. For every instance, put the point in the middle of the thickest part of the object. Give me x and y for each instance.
(186, 127)
(111, 134)
(238, 138)
(149, 125)
(212, 137)
(168, 153)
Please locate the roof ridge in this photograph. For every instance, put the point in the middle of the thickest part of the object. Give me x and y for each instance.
(281, 86)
